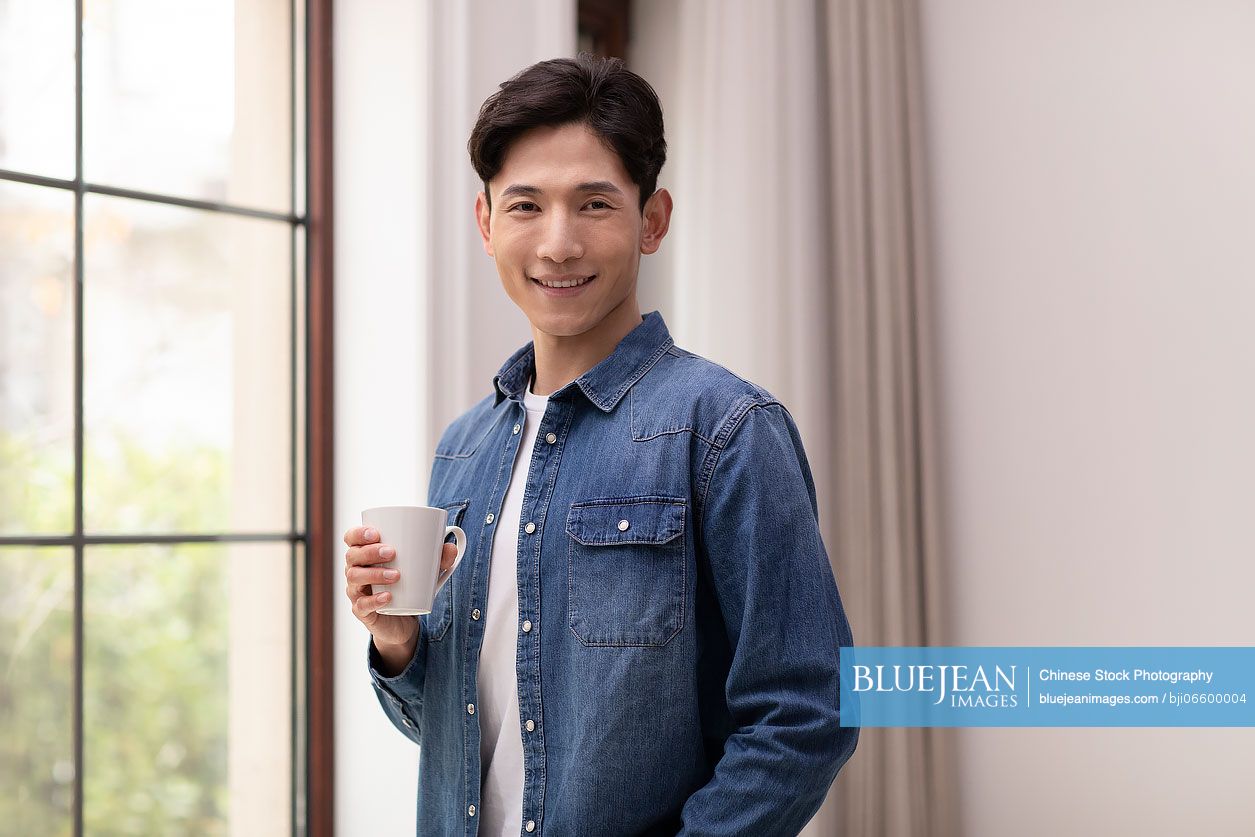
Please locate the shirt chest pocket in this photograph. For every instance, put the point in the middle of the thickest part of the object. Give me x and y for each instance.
(626, 570)
(441, 616)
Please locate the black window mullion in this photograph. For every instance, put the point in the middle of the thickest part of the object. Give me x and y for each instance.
(132, 540)
(78, 419)
(294, 579)
(79, 185)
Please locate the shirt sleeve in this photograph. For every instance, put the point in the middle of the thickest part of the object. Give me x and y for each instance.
(785, 623)
(402, 696)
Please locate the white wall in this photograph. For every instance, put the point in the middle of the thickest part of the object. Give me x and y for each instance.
(421, 320)
(379, 93)
(1094, 206)
(654, 43)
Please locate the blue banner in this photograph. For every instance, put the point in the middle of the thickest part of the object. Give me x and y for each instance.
(1048, 687)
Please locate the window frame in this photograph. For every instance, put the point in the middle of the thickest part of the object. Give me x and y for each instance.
(313, 758)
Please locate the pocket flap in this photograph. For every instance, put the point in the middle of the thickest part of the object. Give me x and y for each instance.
(626, 520)
(455, 508)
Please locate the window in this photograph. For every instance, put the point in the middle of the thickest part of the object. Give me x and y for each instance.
(164, 417)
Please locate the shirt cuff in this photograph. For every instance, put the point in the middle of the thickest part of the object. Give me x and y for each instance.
(405, 687)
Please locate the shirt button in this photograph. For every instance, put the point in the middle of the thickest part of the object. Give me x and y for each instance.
(489, 518)
(623, 525)
(470, 709)
(527, 626)
(475, 614)
(531, 826)
(529, 528)
(531, 725)
(471, 810)
(551, 438)
(517, 429)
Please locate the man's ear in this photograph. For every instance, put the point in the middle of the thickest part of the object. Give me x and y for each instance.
(657, 219)
(483, 219)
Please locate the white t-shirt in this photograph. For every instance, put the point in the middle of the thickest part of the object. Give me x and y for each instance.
(500, 725)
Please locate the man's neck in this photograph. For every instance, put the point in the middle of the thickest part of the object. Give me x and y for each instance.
(560, 360)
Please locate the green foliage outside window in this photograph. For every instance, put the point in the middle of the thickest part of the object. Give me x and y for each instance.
(155, 662)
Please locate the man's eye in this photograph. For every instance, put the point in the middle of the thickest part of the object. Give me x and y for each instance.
(528, 206)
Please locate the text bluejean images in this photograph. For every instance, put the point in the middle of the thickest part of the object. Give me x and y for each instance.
(1048, 687)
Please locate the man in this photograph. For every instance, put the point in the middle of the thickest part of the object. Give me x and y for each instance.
(642, 636)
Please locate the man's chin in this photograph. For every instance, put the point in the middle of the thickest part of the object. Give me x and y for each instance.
(562, 323)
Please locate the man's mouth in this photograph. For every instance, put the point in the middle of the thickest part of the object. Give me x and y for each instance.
(563, 283)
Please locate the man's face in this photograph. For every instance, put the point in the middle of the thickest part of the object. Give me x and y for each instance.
(564, 209)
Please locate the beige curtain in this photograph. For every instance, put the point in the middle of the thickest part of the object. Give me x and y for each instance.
(885, 536)
(798, 258)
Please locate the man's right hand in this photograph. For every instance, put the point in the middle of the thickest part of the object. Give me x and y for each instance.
(395, 637)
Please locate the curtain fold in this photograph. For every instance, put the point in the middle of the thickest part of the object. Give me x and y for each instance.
(885, 457)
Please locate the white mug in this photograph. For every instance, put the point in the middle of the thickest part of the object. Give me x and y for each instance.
(417, 533)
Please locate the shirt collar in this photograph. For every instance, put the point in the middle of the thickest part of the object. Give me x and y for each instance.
(606, 382)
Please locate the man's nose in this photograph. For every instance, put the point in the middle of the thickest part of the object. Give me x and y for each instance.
(560, 240)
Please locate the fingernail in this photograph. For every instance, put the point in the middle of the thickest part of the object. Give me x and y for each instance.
(386, 552)
(382, 597)
(369, 534)
(390, 574)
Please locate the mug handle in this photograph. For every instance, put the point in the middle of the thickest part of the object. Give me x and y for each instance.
(460, 537)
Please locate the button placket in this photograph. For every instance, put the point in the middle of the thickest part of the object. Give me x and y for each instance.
(533, 746)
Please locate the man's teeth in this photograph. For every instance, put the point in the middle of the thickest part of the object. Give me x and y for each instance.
(570, 284)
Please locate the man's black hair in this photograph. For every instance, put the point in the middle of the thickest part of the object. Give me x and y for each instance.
(601, 93)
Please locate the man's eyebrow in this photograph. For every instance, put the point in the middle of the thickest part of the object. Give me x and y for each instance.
(534, 191)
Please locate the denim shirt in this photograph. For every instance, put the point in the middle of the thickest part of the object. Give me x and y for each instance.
(679, 622)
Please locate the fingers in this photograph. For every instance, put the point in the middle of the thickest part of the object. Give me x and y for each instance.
(365, 605)
(370, 575)
(448, 556)
(360, 536)
(361, 576)
(374, 553)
